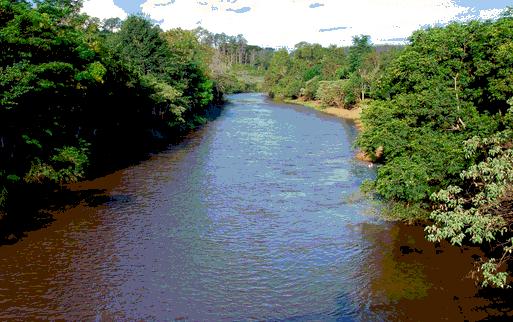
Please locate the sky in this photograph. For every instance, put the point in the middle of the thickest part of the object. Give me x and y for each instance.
(284, 23)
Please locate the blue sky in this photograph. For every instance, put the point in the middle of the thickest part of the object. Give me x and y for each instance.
(279, 23)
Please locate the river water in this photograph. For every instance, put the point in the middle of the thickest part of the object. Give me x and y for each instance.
(256, 216)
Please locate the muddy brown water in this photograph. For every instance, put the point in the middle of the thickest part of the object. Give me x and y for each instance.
(256, 216)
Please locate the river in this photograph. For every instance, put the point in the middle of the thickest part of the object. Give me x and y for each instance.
(255, 216)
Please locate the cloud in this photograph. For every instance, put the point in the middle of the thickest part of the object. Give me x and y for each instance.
(103, 9)
(316, 5)
(332, 29)
(287, 22)
(489, 13)
(241, 10)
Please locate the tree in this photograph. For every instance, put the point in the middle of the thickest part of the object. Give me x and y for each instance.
(437, 89)
(357, 52)
(111, 24)
(278, 69)
(47, 64)
(140, 45)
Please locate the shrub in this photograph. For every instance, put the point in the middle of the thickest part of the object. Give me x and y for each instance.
(352, 90)
(310, 90)
(331, 93)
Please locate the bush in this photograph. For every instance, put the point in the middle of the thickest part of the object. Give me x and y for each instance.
(331, 93)
(310, 90)
(352, 90)
(479, 210)
(292, 88)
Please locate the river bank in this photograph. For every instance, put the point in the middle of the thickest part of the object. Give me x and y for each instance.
(353, 114)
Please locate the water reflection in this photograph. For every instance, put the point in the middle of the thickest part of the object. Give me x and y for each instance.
(257, 216)
(417, 280)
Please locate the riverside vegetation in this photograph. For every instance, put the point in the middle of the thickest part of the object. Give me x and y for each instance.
(77, 93)
(438, 121)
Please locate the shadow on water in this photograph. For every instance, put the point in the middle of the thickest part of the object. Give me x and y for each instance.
(39, 212)
(416, 278)
(33, 207)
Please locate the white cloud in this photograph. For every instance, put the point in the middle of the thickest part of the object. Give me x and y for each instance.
(490, 13)
(103, 9)
(287, 22)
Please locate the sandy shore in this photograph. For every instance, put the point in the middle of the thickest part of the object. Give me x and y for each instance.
(352, 114)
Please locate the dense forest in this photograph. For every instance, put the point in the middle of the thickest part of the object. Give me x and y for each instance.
(78, 94)
(437, 119)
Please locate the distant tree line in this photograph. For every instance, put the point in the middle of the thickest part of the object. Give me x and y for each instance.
(235, 49)
(234, 64)
(337, 76)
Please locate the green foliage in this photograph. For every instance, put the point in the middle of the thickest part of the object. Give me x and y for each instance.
(406, 212)
(341, 93)
(240, 79)
(309, 92)
(432, 101)
(331, 93)
(352, 89)
(475, 210)
(205, 92)
(289, 74)
(332, 63)
(491, 275)
(459, 57)
(94, 72)
(3, 193)
(444, 138)
(360, 48)
(68, 164)
(67, 79)
(278, 69)
(312, 72)
(233, 65)
(417, 161)
(233, 50)
(140, 46)
(30, 141)
(292, 87)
